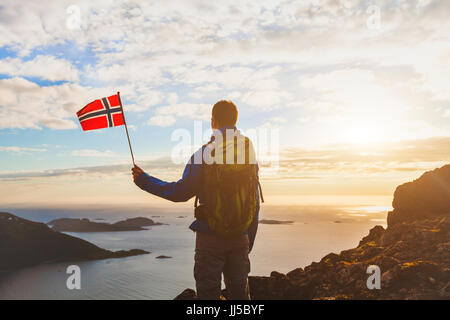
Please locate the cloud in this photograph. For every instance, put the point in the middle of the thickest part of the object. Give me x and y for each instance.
(92, 153)
(161, 121)
(26, 105)
(337, 160)
(143, 97)
(172, 98)
(42, 66)
(372, 158)
(274, 123)
(254, 53)
(266, 99)
(166, 115)
(361, 104)
(20, 150)
(162, 165)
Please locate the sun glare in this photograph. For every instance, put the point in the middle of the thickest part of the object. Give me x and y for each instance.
(364, 133)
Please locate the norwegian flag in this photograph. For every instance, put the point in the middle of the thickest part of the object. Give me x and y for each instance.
(102, 113)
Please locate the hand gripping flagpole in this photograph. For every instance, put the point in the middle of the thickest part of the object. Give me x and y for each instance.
(126, 128)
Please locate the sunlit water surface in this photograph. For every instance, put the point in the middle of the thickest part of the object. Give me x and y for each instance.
(316, 231)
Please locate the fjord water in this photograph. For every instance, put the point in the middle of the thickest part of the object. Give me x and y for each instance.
(315, 232)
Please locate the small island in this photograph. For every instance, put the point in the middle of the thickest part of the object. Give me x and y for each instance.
(86, 225)
(266, 221)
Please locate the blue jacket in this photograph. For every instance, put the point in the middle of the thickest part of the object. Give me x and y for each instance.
(186, 188)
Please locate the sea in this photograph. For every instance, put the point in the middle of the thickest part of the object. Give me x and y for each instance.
(315, 231)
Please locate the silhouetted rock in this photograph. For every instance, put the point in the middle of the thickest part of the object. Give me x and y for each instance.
(163, 257)
(374, 234)
(296, 273)
(85, 225)
(25, 243)
(187, 294)
(422, 198)
(413, 254)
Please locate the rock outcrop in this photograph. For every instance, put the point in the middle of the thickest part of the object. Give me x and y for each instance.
(85, 225)
(26, 243)
(423, 198)
(413, 254)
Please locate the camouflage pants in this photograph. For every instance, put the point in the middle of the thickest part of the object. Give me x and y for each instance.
(215, 255)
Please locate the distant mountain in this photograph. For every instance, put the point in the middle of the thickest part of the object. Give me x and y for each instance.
(25, 243)
(413, 254)
(85, 225)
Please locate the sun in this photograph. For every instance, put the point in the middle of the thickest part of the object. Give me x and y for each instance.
(369, 132)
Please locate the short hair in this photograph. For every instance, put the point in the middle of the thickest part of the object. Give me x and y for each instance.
(225, 113)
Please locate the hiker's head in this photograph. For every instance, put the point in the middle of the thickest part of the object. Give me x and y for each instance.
(224, 114)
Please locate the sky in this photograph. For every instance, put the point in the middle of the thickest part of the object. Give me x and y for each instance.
(341, 98)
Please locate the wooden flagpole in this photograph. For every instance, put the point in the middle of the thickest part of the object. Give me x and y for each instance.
(126, 128)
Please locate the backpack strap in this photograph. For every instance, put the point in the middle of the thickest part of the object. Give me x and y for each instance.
(247, 151)
(224, 147)
(235, 149)
(247, 161)
(196, 201)
(203, 149)
(260, 189)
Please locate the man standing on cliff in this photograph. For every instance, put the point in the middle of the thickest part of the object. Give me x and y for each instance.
(223, 176)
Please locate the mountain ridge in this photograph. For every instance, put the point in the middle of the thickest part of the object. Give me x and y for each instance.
(412, 253)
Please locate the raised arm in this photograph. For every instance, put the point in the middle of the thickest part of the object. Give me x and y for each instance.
(179, 191)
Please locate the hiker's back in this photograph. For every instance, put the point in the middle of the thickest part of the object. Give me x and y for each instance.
(229, 184)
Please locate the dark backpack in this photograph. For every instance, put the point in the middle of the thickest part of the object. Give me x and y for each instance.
(229, 202)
